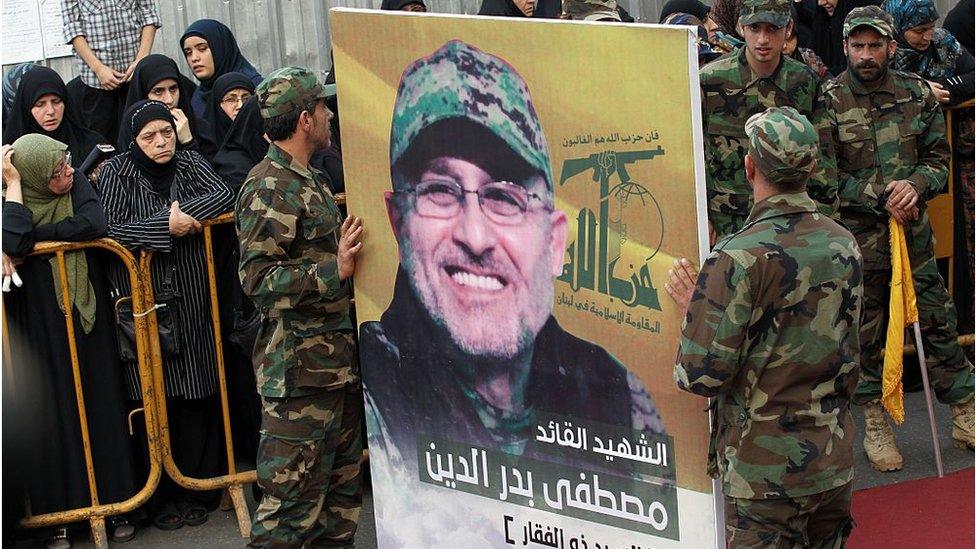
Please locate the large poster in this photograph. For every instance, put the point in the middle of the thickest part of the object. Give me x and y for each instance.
(525, 187)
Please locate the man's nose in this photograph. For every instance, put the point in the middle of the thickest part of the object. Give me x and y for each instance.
(473, 229)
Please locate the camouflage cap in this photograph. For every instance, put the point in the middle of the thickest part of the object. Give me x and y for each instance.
(870, 16)
(288, 89)
(461, 82)
(774, 12)
(783, 144)
(591, 10)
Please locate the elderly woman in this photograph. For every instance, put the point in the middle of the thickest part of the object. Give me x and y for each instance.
(46, 199)
(230, 92)
(155, 196)
(40, 105)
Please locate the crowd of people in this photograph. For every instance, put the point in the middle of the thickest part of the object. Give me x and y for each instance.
(135, 150)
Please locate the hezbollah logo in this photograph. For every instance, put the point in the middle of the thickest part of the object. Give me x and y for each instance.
(613, 246)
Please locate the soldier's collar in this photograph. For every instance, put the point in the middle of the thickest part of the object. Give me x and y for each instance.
(781, 204)
(750, 78)
(277, 154)
(887, 85)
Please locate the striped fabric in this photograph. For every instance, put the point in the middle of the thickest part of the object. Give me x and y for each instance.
(138, 218)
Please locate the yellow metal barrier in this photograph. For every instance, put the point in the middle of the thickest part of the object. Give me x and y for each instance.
(145, 324)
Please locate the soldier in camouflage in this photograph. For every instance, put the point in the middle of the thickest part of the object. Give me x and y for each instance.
(771, 331)
(297, 255)
(745, 82)
(590, 10)
(889, 138)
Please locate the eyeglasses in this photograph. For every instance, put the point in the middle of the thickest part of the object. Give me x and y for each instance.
(67, 162)
(235, 99)
(503, 202)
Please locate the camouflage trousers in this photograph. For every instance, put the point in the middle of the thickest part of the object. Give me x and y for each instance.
(950, 373)
(309, 469)
(820, 521)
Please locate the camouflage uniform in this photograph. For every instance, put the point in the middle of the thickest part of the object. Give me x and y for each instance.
(894, 132)
(772, 332)
(307, 375)
(731, 93)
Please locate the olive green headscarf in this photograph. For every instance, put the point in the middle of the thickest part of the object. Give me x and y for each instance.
(35, 157)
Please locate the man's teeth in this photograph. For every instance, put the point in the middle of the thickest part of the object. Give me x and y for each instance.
(475, 281)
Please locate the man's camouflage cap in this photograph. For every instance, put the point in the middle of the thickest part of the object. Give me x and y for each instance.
(459, 81)
(591, 10)
(783, 144)
(774, 12)
(288, 89)
(870, 16)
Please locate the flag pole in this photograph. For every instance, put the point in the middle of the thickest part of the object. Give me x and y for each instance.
(928, 397)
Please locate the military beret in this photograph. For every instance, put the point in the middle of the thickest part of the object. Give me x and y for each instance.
(288, 89)
(783, 144)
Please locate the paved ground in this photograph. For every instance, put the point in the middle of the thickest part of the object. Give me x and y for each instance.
(914, 439)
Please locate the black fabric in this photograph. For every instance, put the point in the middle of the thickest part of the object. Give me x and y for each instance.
(136, 117)
(150, 71)
(99, 110)
(217, 119)
(544, 9)
(38, 82)
(226, 55)
(691, 7)
(959, 21)
(961, 86)
(396, 5)
(407, 376)
(244, 146)
(826, 32)
(41, 414)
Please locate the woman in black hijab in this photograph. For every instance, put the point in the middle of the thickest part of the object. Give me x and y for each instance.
(155, 196)
(230, 92)
(691, 7)
(157, 77)
(244, 146)
(40, 106)
(824, 21)
(540, 9)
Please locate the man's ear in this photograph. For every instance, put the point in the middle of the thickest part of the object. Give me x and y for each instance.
(892, 47)
(750, 167)
(559, 229)
(845, 48)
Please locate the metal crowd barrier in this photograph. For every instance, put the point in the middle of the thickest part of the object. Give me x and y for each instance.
(147, 356)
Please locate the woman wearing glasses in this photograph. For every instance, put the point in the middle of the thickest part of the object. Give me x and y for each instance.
(230, 92)
(46, 199)
(155, 196)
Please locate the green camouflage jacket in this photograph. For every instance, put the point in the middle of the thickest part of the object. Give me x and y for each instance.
(772, 332)
(894, 132)
(731, 93)
(288, 226)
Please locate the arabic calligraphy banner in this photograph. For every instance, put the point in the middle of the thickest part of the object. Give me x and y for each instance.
(526, 185)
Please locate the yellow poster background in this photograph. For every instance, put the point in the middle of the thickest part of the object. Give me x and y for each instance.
(595, 80)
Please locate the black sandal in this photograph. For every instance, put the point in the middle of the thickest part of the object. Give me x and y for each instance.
(168, 518)
(192, 512)
(122, 529)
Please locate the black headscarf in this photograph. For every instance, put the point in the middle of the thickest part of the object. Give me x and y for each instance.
(35, 83)
(544, 9)
(395, 5)
(244, 145)
(827, 31)
(218, 120)
(691, 7)
(136, 117)
(226, 55)
(151, 70)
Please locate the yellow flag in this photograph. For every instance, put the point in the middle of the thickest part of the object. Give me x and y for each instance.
(902, 311)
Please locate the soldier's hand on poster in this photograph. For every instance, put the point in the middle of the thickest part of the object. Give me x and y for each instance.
(349, 245)
(682, 279)
(941, 94)
(902, 201)
(181, 224)
(183, 133)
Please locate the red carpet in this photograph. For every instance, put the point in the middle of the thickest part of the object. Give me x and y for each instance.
(919, 514)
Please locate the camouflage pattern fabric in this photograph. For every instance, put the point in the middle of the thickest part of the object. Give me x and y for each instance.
(774, 12)
(772, 332)
(895, 132)
(288, 225)
(591, 10)
(288, 89)
(304, 356)
(309, 469)
(869, 16)
(818, 521)
(460, 81)
(783, 144)
(731, 93)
